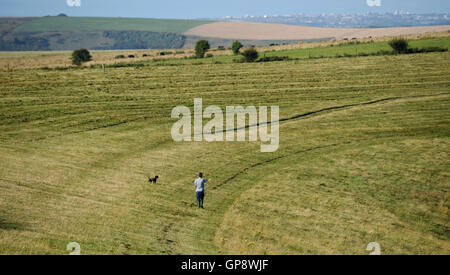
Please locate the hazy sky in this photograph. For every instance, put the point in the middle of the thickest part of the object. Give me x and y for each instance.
(212, 8)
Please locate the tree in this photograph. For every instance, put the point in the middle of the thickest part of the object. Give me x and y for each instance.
(201, 48)
(236, 47)
(80, 56)
(399, 45)
(250, 54)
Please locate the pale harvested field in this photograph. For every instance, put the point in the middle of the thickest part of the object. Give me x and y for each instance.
(263, 31)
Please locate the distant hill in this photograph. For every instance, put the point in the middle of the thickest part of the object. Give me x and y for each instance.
(61, 23)
(68, 33)
(99, 33)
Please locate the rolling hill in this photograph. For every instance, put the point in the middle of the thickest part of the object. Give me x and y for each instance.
(63, 23)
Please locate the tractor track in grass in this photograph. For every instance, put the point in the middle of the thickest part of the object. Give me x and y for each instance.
(243, 171)
(333, 108)
(357, 104)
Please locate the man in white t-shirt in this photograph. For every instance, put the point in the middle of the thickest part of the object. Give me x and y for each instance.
(199, 185)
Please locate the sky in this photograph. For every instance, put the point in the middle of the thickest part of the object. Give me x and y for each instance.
(212, 8)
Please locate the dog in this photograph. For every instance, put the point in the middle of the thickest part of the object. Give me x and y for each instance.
(153, 179)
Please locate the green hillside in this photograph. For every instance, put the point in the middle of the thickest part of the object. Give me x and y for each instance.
(61, 23)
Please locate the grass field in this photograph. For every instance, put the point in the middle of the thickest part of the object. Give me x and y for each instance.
(369, 163)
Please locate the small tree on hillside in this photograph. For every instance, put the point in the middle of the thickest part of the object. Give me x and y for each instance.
(201, 48)
(250, 54)
(236, 47)
(80, 56)
(399, 45)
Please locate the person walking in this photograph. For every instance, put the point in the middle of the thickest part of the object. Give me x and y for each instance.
(199, 185)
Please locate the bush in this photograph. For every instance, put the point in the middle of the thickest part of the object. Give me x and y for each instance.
(120, 56)
(130, 56)
(80, 56)
(399, 45)
(250, 54)
(209, 55)
(236, 47)
(201, 48)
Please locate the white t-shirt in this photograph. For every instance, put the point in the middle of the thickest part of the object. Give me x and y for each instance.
(199, 184)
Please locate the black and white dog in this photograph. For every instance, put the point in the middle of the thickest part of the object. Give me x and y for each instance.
(153, 179)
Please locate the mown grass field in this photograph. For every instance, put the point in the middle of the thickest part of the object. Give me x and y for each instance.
(370, 164)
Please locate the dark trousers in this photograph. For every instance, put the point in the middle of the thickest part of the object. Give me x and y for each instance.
(200, 197)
